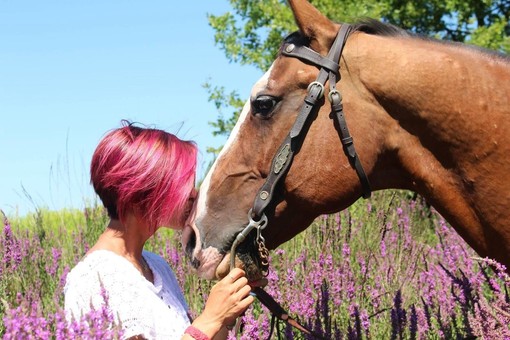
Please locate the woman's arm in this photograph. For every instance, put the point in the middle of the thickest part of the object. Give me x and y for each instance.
(228, 299)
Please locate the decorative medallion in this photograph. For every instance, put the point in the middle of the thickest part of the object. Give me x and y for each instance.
(281, 158)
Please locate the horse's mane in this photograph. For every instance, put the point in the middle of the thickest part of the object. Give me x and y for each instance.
(365, 25)
(376, 27)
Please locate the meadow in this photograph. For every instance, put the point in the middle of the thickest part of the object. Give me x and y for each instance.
(386, 268)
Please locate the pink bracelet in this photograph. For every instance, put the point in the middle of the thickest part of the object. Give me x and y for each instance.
(196, 333)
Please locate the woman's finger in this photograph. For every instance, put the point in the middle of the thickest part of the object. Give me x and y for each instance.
(240, 282)
(235, 274)
(243, 292)
(245, 303)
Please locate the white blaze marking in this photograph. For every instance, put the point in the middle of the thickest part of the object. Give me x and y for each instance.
(210, 258)
(204, 188)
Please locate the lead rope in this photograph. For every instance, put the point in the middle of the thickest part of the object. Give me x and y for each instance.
(277, 311)
(263, 252)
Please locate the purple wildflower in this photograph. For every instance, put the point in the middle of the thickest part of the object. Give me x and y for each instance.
(11, 250)
(398, 316)
(53, 266)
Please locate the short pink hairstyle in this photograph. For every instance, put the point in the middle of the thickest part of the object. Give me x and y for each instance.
(146, 171)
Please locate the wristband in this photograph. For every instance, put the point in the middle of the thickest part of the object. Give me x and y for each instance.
(196, 333)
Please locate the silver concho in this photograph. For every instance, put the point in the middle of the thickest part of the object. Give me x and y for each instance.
(281, 158)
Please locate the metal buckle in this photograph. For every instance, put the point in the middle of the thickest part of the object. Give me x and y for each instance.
(321, 93)
(331, 93)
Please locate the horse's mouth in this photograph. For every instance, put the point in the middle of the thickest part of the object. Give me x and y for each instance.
(214, 263)
(247, 258)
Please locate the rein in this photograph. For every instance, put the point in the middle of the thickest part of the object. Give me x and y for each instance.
(329, 70)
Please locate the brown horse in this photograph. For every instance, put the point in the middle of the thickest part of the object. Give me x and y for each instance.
(427, 116)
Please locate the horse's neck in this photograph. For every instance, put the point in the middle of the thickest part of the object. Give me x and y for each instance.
(447, 111)
(455, 100)
(432, 79)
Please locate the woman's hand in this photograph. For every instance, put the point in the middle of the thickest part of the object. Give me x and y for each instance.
(228, 299)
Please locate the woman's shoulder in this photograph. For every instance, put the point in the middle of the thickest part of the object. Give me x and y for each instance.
(98, 260)
(98, 267)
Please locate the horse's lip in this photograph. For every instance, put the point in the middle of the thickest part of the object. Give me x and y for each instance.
(252, 270)
(245, 250)
(223, 269)
(250, 263)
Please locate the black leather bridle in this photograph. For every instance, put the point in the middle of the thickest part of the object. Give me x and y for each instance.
(329, 70)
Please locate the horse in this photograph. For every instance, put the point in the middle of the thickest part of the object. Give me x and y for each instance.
(424, 115)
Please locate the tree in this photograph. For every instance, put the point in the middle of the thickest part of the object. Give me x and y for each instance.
(252, 33)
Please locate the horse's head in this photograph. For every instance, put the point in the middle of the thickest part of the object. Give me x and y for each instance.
(320, 178)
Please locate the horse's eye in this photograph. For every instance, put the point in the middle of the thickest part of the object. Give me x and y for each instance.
(263, 106)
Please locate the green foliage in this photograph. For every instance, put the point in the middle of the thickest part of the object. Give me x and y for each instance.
(492, 37)
(229, 102)
(251, 33)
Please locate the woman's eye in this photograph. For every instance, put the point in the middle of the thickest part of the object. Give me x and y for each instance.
(263, 105)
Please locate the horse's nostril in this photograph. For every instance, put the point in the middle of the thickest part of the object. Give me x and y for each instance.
(195, 263)
(190, 246)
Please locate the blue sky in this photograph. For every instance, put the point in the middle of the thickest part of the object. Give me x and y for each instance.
(71, 70)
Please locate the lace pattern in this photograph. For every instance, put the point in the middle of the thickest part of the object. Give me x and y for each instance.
(156, 311)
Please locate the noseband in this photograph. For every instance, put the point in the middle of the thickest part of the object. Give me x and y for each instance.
(329, 70)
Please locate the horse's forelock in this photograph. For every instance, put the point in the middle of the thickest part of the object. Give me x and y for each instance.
(295, 38)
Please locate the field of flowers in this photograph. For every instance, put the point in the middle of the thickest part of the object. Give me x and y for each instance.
(387, 268)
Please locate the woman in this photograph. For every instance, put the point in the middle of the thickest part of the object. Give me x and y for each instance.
(145, 179)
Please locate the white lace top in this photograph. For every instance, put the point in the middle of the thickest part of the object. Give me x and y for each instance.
(156, 311)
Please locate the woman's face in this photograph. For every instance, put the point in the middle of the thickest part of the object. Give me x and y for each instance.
(185, 216)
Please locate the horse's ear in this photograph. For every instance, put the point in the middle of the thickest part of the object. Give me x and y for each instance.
(313, 24)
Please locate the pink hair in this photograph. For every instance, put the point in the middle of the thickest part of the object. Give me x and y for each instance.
(147, 171)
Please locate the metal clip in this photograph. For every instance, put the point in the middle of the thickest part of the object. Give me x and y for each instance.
(260, 224)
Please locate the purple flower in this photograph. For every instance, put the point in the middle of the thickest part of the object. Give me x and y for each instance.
(28, 321)
(346, 251)
(398, 316)
(55, 263)
(11, 250)
(413, 323)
